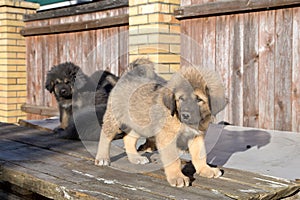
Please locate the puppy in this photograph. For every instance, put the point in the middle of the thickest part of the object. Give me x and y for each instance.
(70, 87)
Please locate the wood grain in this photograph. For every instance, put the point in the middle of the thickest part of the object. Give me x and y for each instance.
(59, 169)
(204, 8)
(266, 75)
(250, 70)
(296, 71)
(283, 70)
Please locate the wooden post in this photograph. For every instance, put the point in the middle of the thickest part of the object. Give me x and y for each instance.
(12, 59)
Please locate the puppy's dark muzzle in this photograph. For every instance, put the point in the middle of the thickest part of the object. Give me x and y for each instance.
(185, 116)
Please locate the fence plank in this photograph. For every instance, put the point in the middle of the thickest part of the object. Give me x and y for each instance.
(76, 10)
(266, 69)
(236, 75)
(250, 70)
(283, 69)
(76, 26)
(222, 59)
(209, 42)
(296, 71)
(229, 6)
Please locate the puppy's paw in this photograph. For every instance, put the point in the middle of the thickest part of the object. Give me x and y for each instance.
(179, 181)
(138, 159)
(210, 172)
(102, 161)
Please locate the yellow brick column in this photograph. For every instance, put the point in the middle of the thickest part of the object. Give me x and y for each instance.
(12, 59)
(154, 33)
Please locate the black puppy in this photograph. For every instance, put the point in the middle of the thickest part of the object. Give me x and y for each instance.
(70, 87)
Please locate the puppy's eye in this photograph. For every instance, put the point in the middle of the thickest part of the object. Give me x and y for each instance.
(181, 98)
(198, 99)
(56, 82)
(67, 81)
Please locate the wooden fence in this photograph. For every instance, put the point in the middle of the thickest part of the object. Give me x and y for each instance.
(93, 36)
(255, 46)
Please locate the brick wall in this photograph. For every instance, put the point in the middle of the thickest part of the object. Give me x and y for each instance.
(154, 33)
(12, 59)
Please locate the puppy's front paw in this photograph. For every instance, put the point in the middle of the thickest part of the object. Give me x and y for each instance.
(138, 159)
(179, 181)
(210, 172)
(102, 161)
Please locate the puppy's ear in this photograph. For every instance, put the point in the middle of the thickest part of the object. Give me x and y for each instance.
(170, 101)
(81, 80)
(49, 85)
(208, 97)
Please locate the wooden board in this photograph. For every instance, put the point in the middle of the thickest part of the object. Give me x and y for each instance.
(64, 169)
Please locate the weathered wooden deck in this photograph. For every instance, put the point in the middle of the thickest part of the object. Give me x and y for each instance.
(36, 163)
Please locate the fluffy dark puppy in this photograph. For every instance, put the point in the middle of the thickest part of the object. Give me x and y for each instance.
(70, 87)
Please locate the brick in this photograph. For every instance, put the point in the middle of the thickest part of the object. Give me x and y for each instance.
(5, 42)
(164, 38)
(10, 113)
(22, 94)
(174, 67)
(7, 94)
(165, 58)
(163, 68)
(138, 39)
(153, 8)
(137, 2)
(16, 87)
(133, 10)
(141, 19)
(7, 55)
(154, 48)
(175, 29)
(173, 7)
(21, 81)
(165, 76)
(163, 18)
(13, 100)
(134, 49)
(20, 42)
(8, 119)
(134, 57)
(8, 81)
(6, 68)
(166, 1)
(6, 22)
(22, 68)
(7, 35)
(8, 106)
(16, 48)
(153, 28)
(175, 48)
(21, 55)
(12, 61)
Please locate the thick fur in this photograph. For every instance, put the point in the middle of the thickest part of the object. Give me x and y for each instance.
(70, 87)
(142, 105)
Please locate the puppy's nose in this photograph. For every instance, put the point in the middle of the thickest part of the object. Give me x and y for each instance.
(185, 116)
(63, 91)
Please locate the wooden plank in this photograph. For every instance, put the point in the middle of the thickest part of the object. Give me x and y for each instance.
(250, 70)
(283, 69)
(40, 110)
(123, 49)
(222, 59)
(34, 161)
(296, 72)
(236, 73)
(76, 26)
(230, 6)
(79, 9)
(209, 43)
(266, 61)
